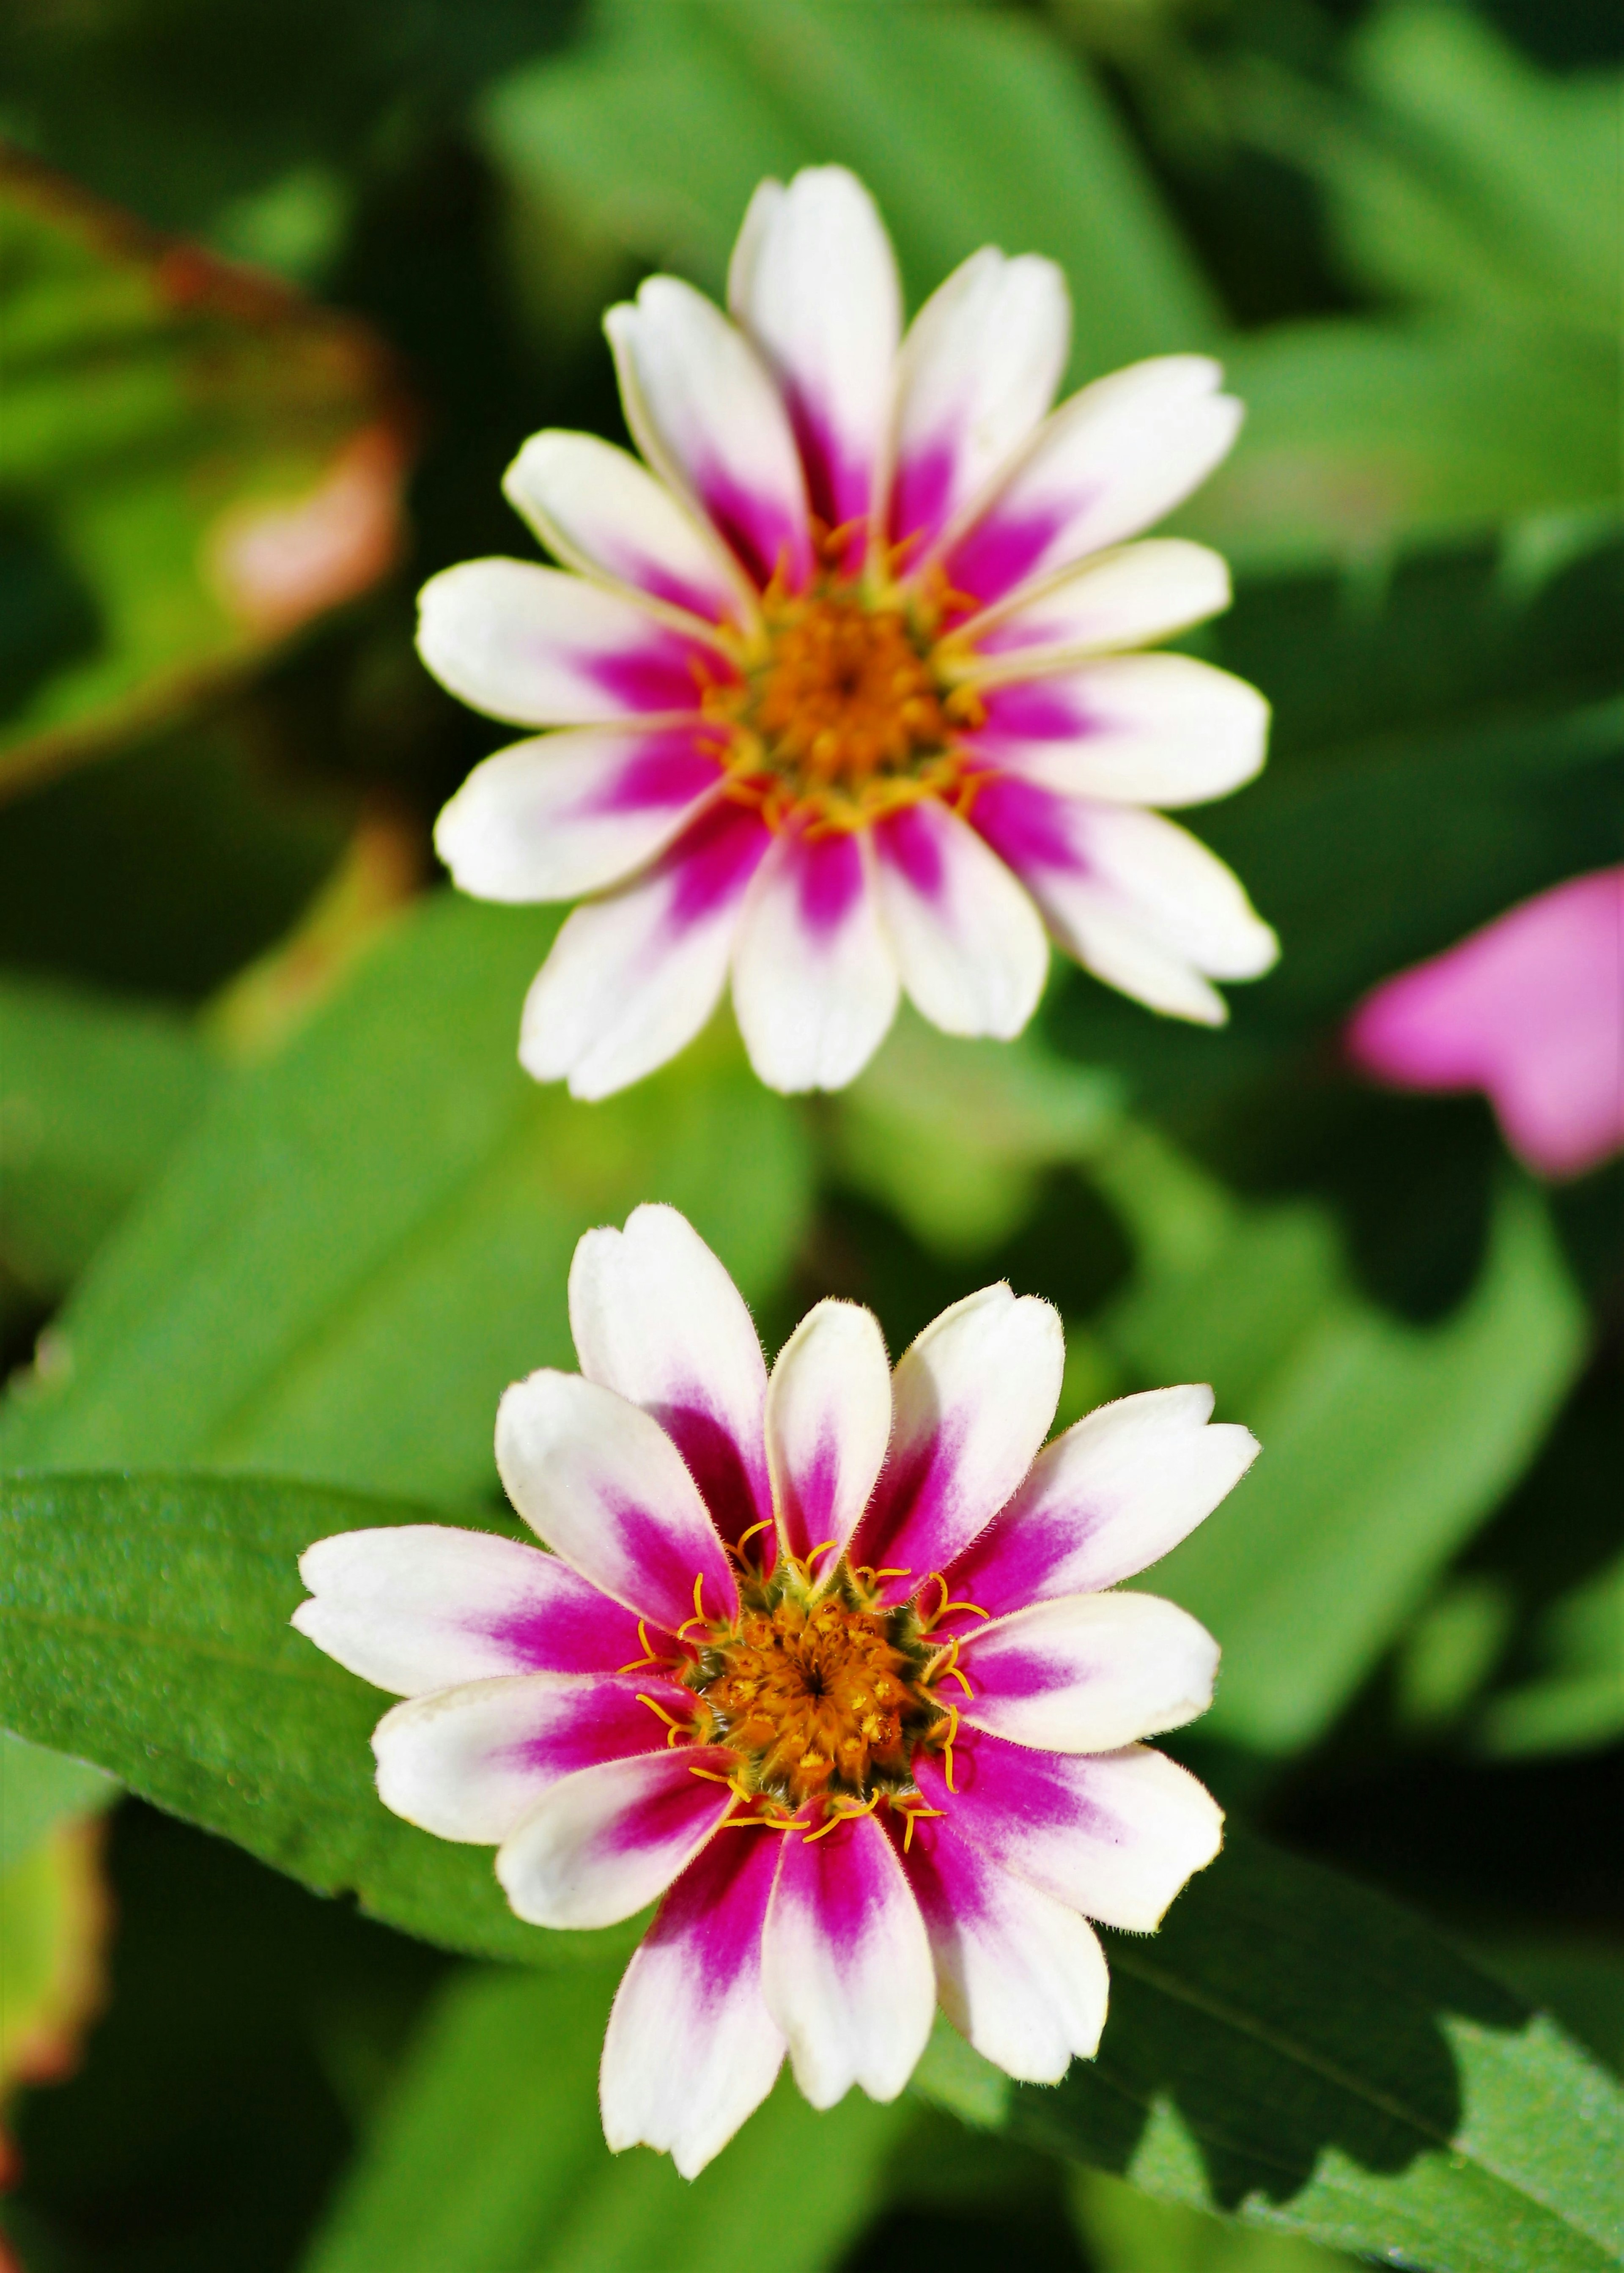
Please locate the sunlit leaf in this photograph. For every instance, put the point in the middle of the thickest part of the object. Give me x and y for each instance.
(38, 1790)
(969, 124)
(192, 464)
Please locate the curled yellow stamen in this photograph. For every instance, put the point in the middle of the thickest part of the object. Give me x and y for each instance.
(648, 1657)
(836, 1816)
(676, 1728)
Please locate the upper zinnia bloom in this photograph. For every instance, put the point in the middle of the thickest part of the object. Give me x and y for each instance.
(823, 1660)
(843, 667)
(1530, 1010)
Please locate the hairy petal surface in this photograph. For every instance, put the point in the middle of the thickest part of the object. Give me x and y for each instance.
(605, 1486)
(656, 1317)
(828, 1424)
(1088, 1673)
(603, 513)
(814, 282)
(1109, 463)
(845, 1964)
(706, 414)
(1127, 598)
(1130, 729)
(632, 978)
(470, 1763)
(815, 981)
(980, 366)
(973, 1397)
(601, 1843)
(1021, 1976)
(539, 647)
(570, 812)
(1112, 1834)
(1108, 1498)
(967, 938)
(692, 2048)
(414, 1607)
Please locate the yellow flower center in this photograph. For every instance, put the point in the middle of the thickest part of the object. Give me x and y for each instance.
(844, 714)
(819, 1697)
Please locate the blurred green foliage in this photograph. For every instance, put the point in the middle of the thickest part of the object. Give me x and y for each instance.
(316, 1240)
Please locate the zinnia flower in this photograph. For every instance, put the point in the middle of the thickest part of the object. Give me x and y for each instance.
(824, 1661)
(843, 673)
(1530, 1010)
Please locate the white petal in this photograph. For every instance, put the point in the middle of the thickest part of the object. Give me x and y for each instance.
(606, 1489)
(1107, 1499)
(980, 366)
(814, 282)
(414, 1607)
(969, 941)
(828, 1424)
(1112, 1834)
(1182, 893)
(632, 978)
(706, 414)
(1021, 1976)
(845, 1964)
(973, 1397)
(470, 1763)
(600, 511)
(656, 1317)
(1088, 1673)
(1129, 598)
(1133, 729)
(1110, 461)
(601, 1843)
(692, 2048)
(814, 981)
(572, 812)
(1119, 950)
(542, 647)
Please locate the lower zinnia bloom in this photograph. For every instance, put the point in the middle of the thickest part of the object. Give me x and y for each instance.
(1530, 1011)
(844, 669)
(825, 1662)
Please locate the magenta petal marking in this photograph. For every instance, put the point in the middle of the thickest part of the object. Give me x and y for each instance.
(920, 493)
(660, 583)
(1009, 1566)
(662, 672)
(715, 1911)
(843, 1879)
(1030, 829)
(907, 840)
(836, 485)
(1002, 548)
(669, 771)
(713, 861)
(731, 1477)
(1005, 1795)
(579, 1630)
(669, 1811)
(605, 1723)
(1033, 710)
(1530, 1010)
(766, 537)
(663, 1573)
(905, 1517)
(829, 877)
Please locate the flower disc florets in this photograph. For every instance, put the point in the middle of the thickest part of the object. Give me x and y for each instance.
(823, 1694)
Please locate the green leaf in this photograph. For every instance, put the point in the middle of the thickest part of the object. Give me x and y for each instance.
(1363, 436)
(145, 1624)
(489, 2158)
(1127, 2231)
(1384, 1444)
(1575, 1702)
(970, 125)
(94, 1096)
(168, 421)
(1307, 2056)
(368, 1237)
(38, 1790)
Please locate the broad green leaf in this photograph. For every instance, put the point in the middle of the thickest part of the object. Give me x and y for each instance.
(369, 1236)
(94, 1096)
(192, 464)
(1362, 436)
(53, 1924)
(1581, 1982)
(1127, 2231)
(1575, 1703)
(38, 1790)
(145, 1627)
(1301, 2053)
(1384, 1444)
(969, 124)
(490, 2157)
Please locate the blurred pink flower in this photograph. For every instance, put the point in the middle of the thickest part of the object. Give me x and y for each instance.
(1530, 1010)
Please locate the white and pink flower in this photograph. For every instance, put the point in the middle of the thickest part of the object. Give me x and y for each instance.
(828, 1662)
(845, 704)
